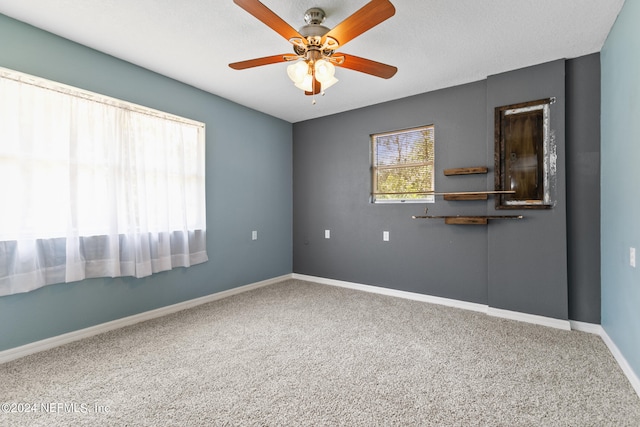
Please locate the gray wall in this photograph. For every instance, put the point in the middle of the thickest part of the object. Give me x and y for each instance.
(248, 187)
(528, 258)
(583, 187)
(332, 186)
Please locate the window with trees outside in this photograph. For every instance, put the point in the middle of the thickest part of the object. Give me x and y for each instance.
(402, 165)
(94, 186)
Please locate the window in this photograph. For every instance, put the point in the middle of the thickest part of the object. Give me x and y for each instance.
(98, 187)
(402, 165)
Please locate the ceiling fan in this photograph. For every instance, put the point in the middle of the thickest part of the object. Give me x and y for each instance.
(314, 45)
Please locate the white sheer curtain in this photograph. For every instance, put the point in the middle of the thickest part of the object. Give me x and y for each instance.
(94, 187)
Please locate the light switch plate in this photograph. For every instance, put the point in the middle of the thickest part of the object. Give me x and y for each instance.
(327, 234)
(254, 235)
(385, 236)
(632, 257)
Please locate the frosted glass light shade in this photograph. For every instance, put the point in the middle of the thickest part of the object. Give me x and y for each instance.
(328, 84)
(305, 84)
(298, 71)
(324, 71)
(301, 74)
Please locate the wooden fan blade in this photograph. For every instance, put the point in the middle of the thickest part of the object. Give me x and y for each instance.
(257, 62)
(317, 87)
(367, 17)
(268, 17)
(368, 66)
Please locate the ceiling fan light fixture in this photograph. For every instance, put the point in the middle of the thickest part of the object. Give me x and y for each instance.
(301, 75)
(312, 67)
(325, 71)
(298, 71)
(305, 83)
(329, 83)
(315, 46)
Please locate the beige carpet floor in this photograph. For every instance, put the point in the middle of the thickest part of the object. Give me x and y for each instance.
(299, 353)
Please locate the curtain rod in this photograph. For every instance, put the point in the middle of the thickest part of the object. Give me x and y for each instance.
(51, 85)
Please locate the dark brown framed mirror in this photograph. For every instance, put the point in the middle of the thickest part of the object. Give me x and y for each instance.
(522, 155)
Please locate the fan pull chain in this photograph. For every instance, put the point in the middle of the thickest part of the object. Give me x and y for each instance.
(313, 85)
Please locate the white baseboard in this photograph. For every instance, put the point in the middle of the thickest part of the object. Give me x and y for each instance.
(49, 343)
(613, 348)
(591, 328)
(567, 325)
(622, 362)
(482, 308)
(530, 318)
(394, 293)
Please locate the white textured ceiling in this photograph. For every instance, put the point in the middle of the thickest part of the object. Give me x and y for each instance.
(434, 43)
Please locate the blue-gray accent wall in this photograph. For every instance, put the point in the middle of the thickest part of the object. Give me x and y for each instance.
(620, 176)
(248, 187)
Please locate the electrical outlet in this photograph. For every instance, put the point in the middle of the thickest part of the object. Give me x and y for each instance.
(385, 236)
(632, 257)
(327, 234)
(254, 235)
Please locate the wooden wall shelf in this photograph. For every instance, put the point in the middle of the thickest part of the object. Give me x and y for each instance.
(468, 195)
(476, 196)
(466, 171)
(468, 220)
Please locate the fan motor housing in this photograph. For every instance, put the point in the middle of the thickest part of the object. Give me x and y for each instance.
(313, 31)
(315, 16)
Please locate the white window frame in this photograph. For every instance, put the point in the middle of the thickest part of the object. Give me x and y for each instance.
(426, 198)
